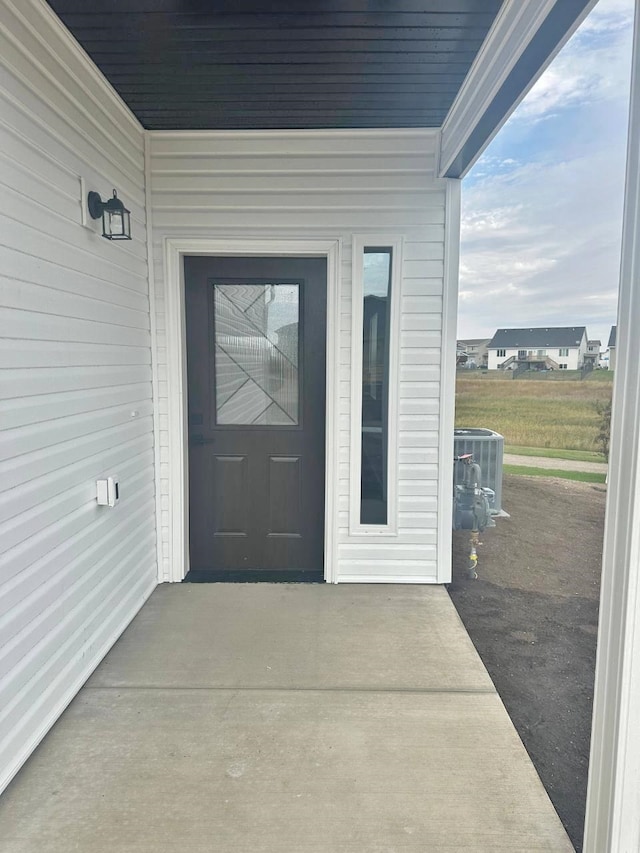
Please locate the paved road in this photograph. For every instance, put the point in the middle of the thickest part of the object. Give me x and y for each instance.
(556, 464)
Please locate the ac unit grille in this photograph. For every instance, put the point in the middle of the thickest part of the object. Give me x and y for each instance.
(487, 447)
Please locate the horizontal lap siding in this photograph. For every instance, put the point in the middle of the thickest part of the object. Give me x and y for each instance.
(319, 185)
(75, 379)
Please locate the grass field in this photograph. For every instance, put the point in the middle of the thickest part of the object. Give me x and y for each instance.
(580, 476)
(534, 413)
(604, 376)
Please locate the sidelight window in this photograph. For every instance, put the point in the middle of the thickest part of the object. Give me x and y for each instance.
(375, 293)
(376, 290)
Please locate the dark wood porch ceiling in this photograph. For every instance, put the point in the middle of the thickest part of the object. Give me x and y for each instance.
(234, 64)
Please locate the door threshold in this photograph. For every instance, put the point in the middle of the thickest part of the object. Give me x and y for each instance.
(254, 576)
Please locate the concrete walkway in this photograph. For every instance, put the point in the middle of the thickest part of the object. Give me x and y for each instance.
(555, 464)
(261, 718)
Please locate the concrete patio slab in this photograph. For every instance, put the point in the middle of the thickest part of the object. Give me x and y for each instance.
(409, 765)
(296, 635)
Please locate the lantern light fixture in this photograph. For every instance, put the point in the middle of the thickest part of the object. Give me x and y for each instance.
(116, 219)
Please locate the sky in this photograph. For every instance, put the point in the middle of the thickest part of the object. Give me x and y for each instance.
(542, 207)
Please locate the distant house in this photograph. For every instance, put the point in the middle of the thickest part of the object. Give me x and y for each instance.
(476, 351)
(612, 348)
(592, 355)
(562, 348)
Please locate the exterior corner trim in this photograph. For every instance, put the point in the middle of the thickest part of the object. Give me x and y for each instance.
(448, 377)
(154, 353)
(612, 820)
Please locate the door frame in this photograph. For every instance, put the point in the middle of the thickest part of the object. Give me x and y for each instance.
(177, 463)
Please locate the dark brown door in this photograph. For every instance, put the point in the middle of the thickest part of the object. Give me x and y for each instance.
(256, 379)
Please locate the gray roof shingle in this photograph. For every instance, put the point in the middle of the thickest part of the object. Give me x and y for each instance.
(565, 336)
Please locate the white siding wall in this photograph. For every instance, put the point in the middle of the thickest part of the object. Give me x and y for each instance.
(329, 185)
(75, 358)
(573, 360)
(582, 350)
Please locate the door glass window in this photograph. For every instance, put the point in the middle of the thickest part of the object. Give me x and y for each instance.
(256, 353)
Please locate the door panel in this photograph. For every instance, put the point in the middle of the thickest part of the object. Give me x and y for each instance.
(285, 494)
(229, 485)
(256, 383)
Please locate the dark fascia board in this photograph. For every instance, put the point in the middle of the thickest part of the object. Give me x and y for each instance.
(478, 112)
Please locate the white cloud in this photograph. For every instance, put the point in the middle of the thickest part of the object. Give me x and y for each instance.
(560, 87)
(478, 222)
(542, 208)
(590, 67)
(609, 16)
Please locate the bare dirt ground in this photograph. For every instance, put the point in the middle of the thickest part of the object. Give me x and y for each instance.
(532, 616)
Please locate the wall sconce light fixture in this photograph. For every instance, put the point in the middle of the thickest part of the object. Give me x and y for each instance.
(116, 219)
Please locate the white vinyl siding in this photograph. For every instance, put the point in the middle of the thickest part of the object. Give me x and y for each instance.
(327, 185)
(573, 361)
(581, 352)
(76, 385)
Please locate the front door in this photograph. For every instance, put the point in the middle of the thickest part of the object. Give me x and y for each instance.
(256, 378)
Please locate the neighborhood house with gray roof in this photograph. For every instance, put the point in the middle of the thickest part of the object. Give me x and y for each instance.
(562, 348)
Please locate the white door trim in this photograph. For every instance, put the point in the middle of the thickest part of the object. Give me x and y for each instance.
(177, 471)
